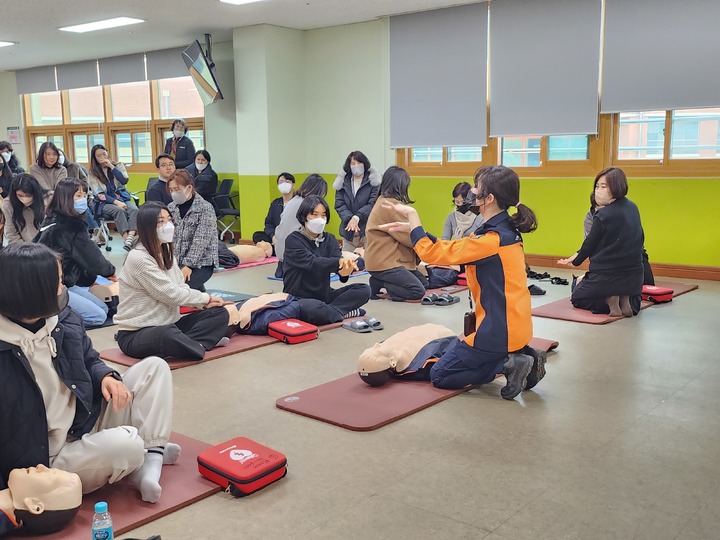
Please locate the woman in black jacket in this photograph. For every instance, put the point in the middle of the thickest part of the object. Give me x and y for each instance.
(205, 178)
(614, 246)
(179, 146)
(311, 256)
(64, 231)
(60, 405)
(357, 187)
(6, 151)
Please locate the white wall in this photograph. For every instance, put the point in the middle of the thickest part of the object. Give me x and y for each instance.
(346, 95)
(285, 58)
(251, 100)
(220, 124)
(11, 114)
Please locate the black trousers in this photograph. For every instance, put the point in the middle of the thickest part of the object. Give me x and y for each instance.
(199, 277)
(400, 283)
(260, 236)
(341, 302)
(188, 338)
(595, 287)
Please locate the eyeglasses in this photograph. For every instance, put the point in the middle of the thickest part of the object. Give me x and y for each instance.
(166, 165)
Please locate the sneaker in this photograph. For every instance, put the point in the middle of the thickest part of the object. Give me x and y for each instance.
(516, 370)
(537, 372)
(355, 313)
(129, 243)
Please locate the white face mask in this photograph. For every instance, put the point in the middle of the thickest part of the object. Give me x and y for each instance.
(603, 197)
(61, 159)
(200, 166)
(285, 187)
(180, 197)
(6, 156)
(357, 170)
(178, 133)
(27, 201)
(165, 232)
(316, 225)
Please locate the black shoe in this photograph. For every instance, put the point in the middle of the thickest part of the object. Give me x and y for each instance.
(535, 290)
(537, 372)
(516, 369)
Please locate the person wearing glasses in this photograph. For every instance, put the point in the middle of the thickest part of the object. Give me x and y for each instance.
(195, 239)
(180, 147)
(165, 165)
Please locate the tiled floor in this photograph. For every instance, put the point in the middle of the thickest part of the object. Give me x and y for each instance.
(620, 440)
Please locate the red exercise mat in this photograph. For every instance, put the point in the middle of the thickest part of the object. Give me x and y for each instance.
(181, 484)
(238, 343)
(564, 310)
(351, 404)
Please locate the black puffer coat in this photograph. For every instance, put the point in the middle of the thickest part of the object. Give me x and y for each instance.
(82, 259)
(23, 422)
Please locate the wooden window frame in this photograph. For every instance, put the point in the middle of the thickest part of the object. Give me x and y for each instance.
(109, 128)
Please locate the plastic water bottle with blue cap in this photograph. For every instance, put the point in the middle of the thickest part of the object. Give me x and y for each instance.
(102, 527)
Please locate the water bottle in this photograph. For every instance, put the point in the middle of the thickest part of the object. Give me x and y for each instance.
(102, 528)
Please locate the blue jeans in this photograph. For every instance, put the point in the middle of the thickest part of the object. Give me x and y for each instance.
(92, 310)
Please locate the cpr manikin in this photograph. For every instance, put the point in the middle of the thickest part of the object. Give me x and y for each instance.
(39, 499)
(257, 253)
(397, 354)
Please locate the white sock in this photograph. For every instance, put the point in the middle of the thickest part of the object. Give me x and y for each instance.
(171, 454)
(147, 477)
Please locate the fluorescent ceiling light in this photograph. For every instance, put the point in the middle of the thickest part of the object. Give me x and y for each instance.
(239, 2)
(7, 43)
(101, 25)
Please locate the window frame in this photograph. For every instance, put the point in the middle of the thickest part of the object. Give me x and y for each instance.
(108, 128)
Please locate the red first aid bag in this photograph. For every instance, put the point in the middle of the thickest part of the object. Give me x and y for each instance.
(242, 466)
(462, 279)
(292, 331)
(657, 295)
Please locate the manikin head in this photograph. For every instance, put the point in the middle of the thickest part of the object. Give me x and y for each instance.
(266, 247)
(45, 500)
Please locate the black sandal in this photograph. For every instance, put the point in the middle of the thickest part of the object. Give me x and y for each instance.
(559, 281)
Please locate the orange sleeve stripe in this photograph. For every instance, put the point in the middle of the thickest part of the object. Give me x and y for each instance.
(461, 251)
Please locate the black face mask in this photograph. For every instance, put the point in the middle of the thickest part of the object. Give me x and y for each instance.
(63, 300)
(463, 208)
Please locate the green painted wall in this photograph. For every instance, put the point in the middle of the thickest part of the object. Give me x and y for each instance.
(678, 213)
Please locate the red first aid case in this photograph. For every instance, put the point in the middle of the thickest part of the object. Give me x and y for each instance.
(657, 295)
(242, 466)
(462, 279)
(293, 331)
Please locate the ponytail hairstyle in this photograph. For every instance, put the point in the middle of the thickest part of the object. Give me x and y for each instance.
(504, 185)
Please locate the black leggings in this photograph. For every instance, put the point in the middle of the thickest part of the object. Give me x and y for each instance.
(400, 283)
(188, 338)
(199, 277)
(341, 302)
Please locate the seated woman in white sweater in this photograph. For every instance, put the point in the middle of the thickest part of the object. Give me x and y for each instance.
(152, 289)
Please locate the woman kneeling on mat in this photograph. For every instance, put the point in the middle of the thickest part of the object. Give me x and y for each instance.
(60, 405)
(152, 290)
(495, 267)
(614, 246)
(311, 256)
(389, 255)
